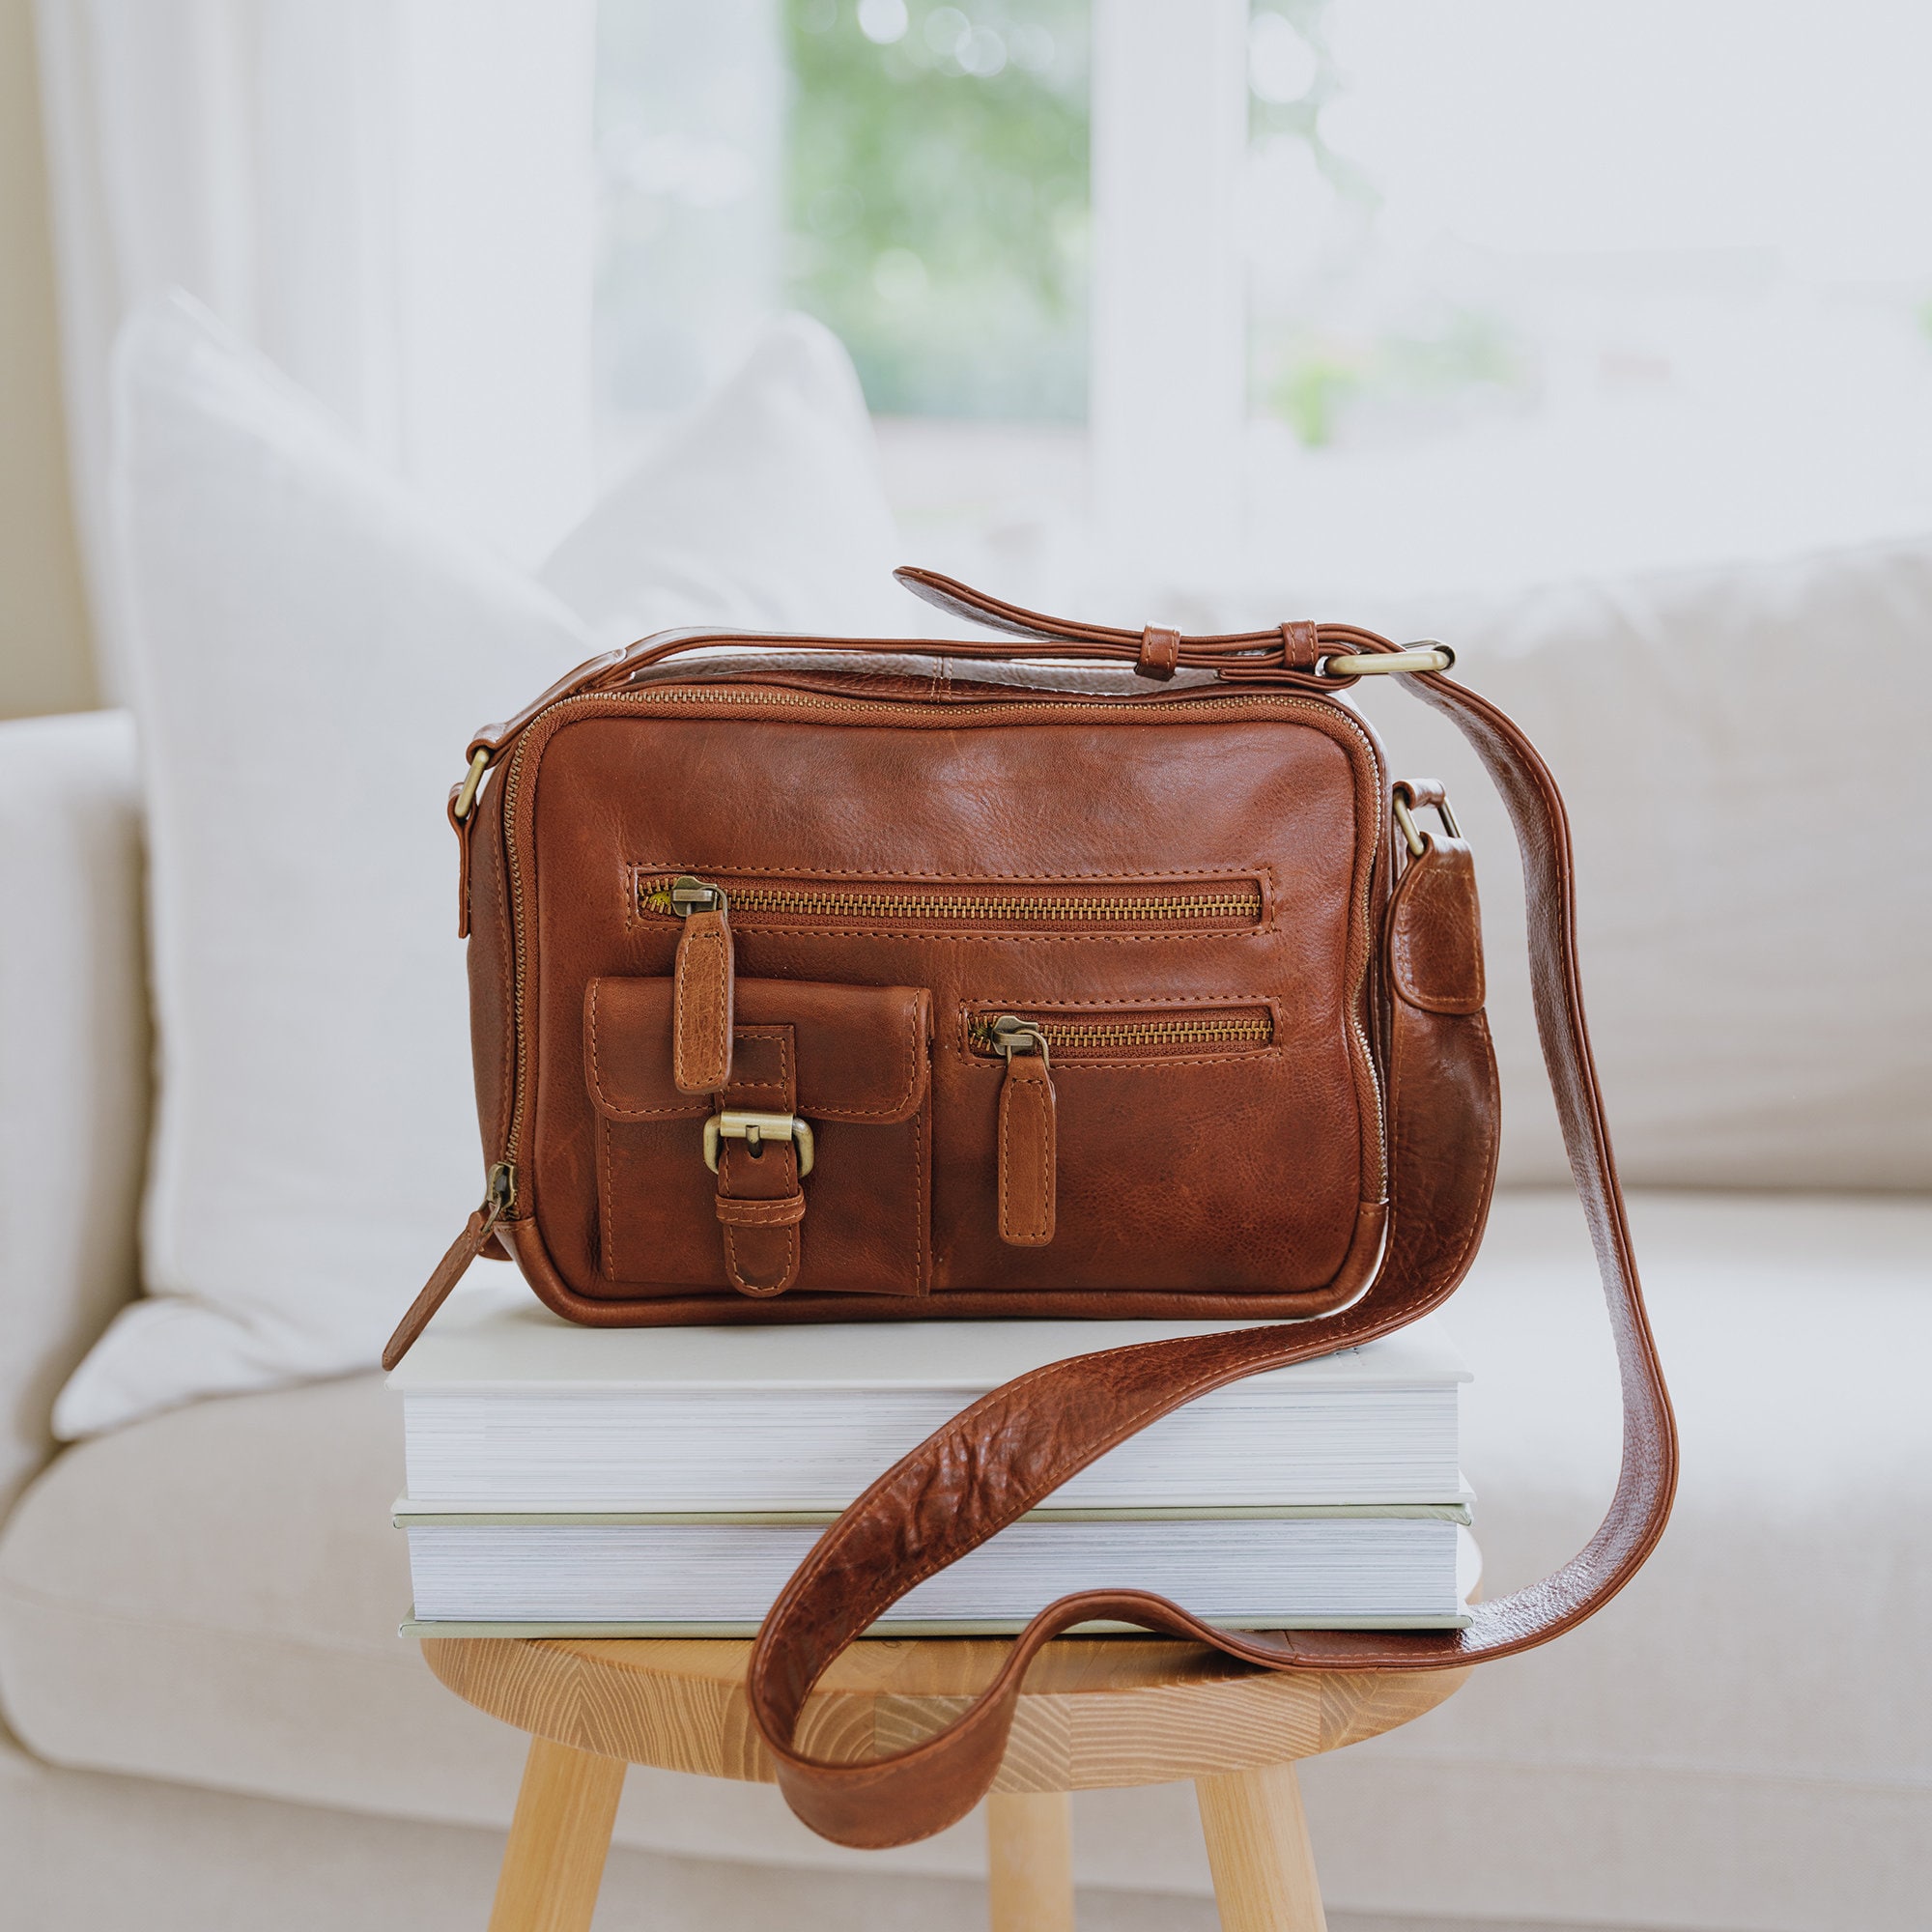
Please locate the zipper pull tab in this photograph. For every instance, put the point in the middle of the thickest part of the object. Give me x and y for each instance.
(701, 1012)
(1026, 1133)
(498, 1198)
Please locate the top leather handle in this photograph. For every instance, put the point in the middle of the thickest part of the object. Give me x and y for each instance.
(1013, 1448)
(1235, 656)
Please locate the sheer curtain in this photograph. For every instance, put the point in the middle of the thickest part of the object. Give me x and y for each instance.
(391, 198)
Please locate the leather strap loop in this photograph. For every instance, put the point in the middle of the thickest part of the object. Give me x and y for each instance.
(1160, 653)
(1014, 1447)
(1302, 647)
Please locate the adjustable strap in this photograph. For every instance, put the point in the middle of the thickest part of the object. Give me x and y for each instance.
(1013, 1448)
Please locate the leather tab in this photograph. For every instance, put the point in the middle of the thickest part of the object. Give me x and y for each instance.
(701, 1022)
(1302, 647)
(477, 1234)
(1160, 653)
(1027, 1151)
(1436, 931)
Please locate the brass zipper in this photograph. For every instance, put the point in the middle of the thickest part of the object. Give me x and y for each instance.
(797, 701)
(986, 1033)
(994, 905)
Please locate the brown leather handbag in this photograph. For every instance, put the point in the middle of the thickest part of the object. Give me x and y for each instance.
(827, 979)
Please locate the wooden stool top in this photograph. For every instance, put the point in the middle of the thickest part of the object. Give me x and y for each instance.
(1096, 1711)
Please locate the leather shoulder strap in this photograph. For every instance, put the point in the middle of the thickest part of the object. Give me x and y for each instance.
(1013, 1448)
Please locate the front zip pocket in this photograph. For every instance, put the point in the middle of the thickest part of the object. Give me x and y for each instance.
(1164, 906)
(1031, 1041)
(1130, 1036)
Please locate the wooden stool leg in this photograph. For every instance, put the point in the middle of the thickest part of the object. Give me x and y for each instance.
(1259, 1852)
(554, 1861)
(1030, 1861)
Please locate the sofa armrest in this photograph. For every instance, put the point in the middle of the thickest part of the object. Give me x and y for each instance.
(74, 1059)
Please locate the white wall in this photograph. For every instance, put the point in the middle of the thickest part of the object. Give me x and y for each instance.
(44, 654)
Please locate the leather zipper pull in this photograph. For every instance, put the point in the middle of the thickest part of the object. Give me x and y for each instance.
(1027, 1183)
(701, 1012)
(476, 1236)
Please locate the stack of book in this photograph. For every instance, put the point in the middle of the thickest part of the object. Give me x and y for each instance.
(648, 1482)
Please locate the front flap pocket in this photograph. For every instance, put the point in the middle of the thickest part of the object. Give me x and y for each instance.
(808, 1169)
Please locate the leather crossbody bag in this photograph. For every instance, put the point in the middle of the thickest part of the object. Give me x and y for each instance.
(1102, 973)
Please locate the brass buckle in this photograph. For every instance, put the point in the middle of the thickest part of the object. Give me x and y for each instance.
(754, 1130)
(1405, 819)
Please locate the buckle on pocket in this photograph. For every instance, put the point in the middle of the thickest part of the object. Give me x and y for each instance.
(755, 1129)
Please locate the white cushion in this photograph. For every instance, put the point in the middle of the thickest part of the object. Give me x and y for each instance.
(1738, 1740)
(312, 651)
(1737, 746)
(764, 511)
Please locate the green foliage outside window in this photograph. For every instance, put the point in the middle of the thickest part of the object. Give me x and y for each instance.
(937, 201)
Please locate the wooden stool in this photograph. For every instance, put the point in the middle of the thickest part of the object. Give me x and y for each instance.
(1097, 1713)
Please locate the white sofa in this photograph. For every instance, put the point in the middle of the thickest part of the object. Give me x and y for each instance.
(212, 1724)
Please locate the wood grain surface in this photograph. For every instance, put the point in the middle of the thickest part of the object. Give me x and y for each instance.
(1030, 1861)
(1259, 1852)
(554, 1864)
(1097, 1713)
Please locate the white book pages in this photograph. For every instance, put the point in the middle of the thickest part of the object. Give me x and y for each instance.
(1309, 1572)
(511, 1407)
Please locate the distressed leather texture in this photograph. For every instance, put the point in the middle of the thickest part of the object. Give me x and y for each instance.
(1272, 1094)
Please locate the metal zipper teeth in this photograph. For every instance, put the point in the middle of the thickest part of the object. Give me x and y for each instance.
(1191, 1030)
(799, 700)
(1167, 908)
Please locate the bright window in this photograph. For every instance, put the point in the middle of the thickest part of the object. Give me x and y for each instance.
(1325, 292)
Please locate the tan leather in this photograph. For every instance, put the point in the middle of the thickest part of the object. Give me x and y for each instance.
(1294, 1112)
(1160, 653)
(1302, 647)
(1027, 1178)
(702, 1009)
(1263, 810)
(854, 1061)
(436, 1291)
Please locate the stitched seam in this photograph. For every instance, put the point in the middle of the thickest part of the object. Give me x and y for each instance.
(1157, 1005)
(1005, 1162)
(651, 870)
(936, 933)
(604, 1193)
(1040, 1118)
(1156, 1066)
(919, 1209)
(677, 1053)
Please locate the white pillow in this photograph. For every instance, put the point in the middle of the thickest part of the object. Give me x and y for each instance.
(1740, 748)
(764, 511)
(312, 650)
